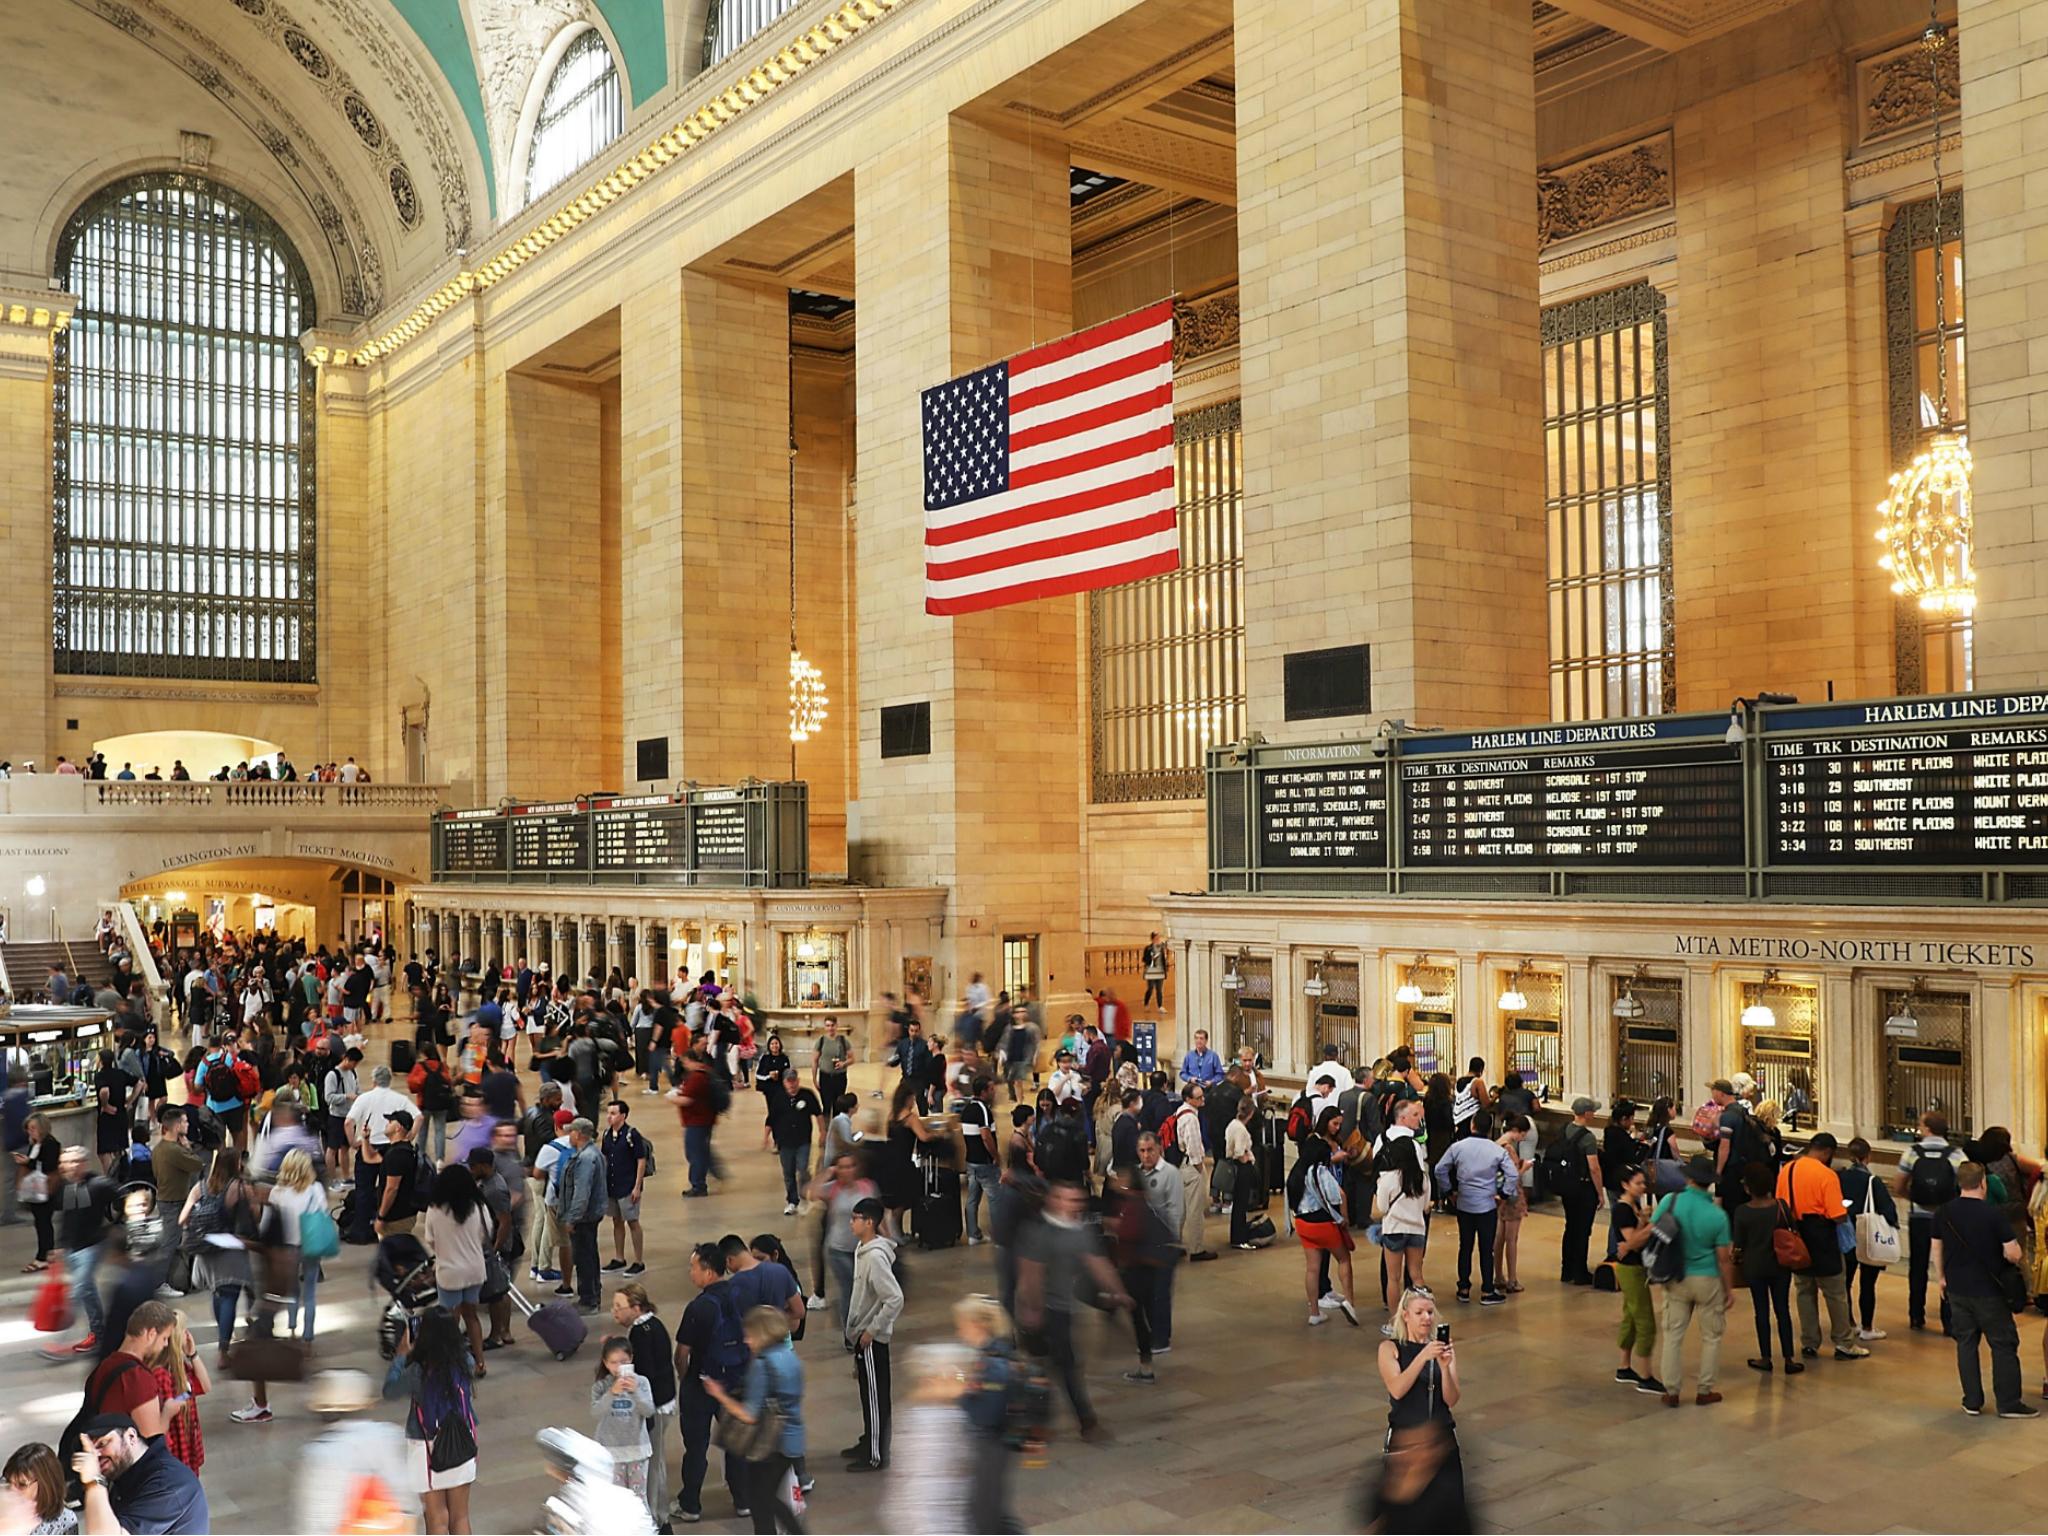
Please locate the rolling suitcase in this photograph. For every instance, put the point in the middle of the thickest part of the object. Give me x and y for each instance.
(558, 1325)
(938, 1208)
(403, 1055)
(1271, 1150)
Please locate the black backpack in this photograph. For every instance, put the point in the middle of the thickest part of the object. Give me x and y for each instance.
(1933, 1180)
(1564, 1163)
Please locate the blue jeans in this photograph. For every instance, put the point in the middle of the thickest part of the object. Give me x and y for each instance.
(79, 1269)
(697, 1152)
(309, 1289)
(436, 1125)
(226, 1301)
(982, 1179)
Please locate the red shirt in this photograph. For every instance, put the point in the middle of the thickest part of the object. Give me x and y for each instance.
(183, 1438)
(699, 1110)
(134, 1387)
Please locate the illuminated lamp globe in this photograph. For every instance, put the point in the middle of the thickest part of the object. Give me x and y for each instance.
(1926, 528)
(1759, 1016)
(1408, 993)
(1512, 1000)
(807, 699)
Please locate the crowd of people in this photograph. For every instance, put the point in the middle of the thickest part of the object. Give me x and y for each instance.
(502, 1145)
(282, 770)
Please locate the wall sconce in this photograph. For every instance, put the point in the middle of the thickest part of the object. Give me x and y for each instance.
(1759, 1014)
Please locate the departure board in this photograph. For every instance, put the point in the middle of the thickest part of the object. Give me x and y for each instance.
(718, 830)
(1913, 787)
(1665, 804)
(547, 838)
(643, 832)
(1322, 815)
(472, 845)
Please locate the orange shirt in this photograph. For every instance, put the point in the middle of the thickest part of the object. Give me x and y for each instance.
(1811, 1188)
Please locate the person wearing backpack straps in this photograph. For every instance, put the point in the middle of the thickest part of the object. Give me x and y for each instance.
(708, 1343)
(1927, 1178)
(1704, 1283)
(1572, 1165)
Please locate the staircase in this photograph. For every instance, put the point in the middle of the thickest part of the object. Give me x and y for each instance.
(28, 966)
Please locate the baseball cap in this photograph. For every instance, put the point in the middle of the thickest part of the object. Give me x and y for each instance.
(107, 1424)
(562, 1118)
(1700, 1170)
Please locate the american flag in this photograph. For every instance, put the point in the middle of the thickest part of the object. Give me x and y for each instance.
(1053, 472)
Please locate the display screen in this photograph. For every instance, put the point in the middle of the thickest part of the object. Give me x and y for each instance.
(1323, 816)
(1972, 796)
(473, 847)
(718, 834)
(550, 838)
(641, 834)
(1678, 804)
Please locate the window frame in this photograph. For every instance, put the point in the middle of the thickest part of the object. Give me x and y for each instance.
(1632, 307)
(148, 392)
(581, 40)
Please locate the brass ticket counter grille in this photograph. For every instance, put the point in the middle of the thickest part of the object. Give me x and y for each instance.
(1780, 1032)
(1531, 1004)
(1649, 1015)
(1248, 1005)
(1428, 1001)
(1926, 1054)
(1332, 993)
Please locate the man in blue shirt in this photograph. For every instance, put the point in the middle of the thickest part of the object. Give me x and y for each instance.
(625, 1173)
(1201, 1065)
(136, 1485)
(1477, 1172)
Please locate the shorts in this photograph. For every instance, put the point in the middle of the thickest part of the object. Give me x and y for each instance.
(420, 1478)
(624, 1210)
(334, 1132)
(1324, 1236)
(352, 1015)
(453, 1296)
(233, 1121)
(1403, 1242)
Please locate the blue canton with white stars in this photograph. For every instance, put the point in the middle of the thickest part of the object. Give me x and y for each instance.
(967, 438)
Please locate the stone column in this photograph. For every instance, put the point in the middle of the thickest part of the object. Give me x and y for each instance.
(962, 238)
(1393, 428)
(2004, 61)
(25, 320)
(349, 579)
(651, 542)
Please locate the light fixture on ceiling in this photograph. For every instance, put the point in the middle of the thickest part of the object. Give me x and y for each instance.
(1233, 978)
(1903, 1020)
(1628, 1005)
(1315, 986)
(35, 885)
(174, 895)
(1512, 999)
(1760, 1014)
(1925, 521)
(1408, 992)
(715, 947)
(805, 949)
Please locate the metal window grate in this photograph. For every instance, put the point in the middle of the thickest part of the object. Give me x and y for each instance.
(182, 451)
(1646, 1057)
(1784, 1059)
(1428, 1026)
(1248, 1012)
(728, 25)
(1166, 654)
(1927, 1071)
(581, 112)
(1931, 654)
(1535, 1033)
(1333, 1017)
(1607, 502)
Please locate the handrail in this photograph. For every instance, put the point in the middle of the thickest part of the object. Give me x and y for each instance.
(142, 961)
(270, 792)
(6, 986)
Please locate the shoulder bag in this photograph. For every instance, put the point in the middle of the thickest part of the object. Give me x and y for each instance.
(755, 1441)
(1787, 1246)
(1877, 1240)
(453, 1443)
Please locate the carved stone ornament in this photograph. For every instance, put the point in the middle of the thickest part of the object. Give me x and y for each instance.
(1603, 189)
(1204, 325)
(1894, 90)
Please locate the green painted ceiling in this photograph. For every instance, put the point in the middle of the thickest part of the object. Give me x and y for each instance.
(638, 25)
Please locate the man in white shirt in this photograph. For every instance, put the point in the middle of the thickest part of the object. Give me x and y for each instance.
(350, 772)
(1066, 1081)
(367, 1115)
(1194, 1172)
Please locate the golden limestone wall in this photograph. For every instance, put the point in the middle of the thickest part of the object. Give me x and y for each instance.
(1392, 412)
(827, 592)
(24, 540)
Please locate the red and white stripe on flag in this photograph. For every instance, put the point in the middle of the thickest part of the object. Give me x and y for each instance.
(1052, 472)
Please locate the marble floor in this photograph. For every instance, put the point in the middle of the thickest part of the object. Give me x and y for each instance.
(1257, 1423)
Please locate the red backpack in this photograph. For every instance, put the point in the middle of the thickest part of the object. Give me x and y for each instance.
(1169, 1138)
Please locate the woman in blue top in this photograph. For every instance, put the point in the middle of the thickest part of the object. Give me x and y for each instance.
(431, 1371)
(773, 1375)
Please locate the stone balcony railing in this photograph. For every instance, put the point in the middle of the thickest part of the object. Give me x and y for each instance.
(50, 794)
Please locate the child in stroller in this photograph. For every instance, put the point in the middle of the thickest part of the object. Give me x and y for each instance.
(405, 1271)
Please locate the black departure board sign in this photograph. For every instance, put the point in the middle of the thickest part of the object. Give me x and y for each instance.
(640, 832)
(549, 838)
(1959, 782)
(1642, 794)
(753, 834)
(1322, 808)
(718, 830)
(470, 842)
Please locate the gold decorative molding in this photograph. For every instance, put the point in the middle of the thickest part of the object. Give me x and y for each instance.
(1893, 93)
(35, 309)
(1603, 250)
(820, 41)
(1204, 325)
(1584, 195)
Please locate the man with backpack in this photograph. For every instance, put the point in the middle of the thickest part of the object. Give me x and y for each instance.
(1571, 1168)
(1697, 1270)
(1927, 1176)
(1185, 1148)
(230, 1085)
(709, 1343)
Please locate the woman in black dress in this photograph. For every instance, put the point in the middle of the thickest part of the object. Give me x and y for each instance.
(901, 1181)
(768, 1076)
(1422, 1478)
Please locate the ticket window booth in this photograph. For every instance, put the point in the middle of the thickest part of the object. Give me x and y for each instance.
(814, 969)
(1248, 1006)
(1926, 1057)
(1427, 1000)
(1649, 1016)
(1332, 993)
(1531, 1004)
(1780, 1036)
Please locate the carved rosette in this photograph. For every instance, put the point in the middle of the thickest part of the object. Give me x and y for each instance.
(1603, 189)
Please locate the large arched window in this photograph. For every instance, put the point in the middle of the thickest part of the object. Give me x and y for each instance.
(582, 111)
(182, 454)
(730, 24)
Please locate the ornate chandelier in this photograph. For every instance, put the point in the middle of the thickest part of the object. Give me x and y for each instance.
(807, 699)
(1925, 521)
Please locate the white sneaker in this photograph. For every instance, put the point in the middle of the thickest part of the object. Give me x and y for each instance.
(815, 1303)
(1316, 1319)
(1329, 1301)
(253, 1414)
(1871, 1333)
(788, 1209)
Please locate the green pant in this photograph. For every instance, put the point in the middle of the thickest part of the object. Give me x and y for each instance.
(1638, 1334)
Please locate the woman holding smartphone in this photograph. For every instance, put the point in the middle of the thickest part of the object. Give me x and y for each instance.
(182, 1379)
(1421, 1372)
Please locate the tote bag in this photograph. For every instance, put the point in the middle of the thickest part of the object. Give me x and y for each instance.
(1877, 1240)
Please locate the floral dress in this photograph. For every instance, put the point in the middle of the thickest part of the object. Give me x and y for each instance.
(183, 1438)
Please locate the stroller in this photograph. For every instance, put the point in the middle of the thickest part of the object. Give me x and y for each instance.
(405, 1271)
